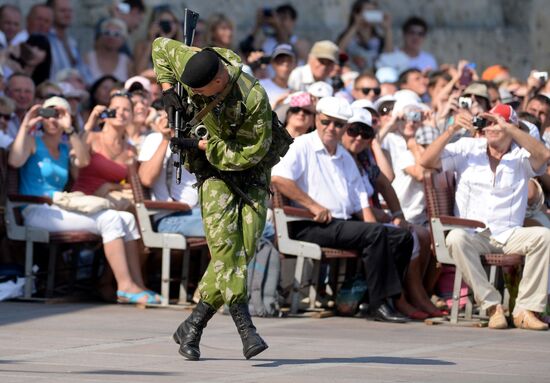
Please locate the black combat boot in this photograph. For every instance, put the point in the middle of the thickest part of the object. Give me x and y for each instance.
(188, 334)
(253, 344)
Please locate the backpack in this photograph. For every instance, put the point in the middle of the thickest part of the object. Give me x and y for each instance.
(264, 271)
(280, 142)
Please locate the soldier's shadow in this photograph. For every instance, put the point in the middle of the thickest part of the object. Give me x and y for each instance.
(359, 360)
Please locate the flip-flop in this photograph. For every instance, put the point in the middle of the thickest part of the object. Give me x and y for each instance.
(134, 298)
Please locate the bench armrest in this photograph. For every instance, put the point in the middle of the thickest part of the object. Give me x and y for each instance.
(29, 199)
(297, 212)
(166, 205)
(456, 221)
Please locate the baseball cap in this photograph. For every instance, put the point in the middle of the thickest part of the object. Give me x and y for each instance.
(405, 104)
(494, 73)
(325, 49)
(69, 91)
(360, 115)
(506, 112)
(300, 99)
(407, 94)
(283, 49)
(426, 134)
(56, 101)
(336, 107)
(320, 89)
(137, 83)
(476, 89)
(379, 101)
(362, 103)
(386, 74)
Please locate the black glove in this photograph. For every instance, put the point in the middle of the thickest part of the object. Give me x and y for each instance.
(172, 103)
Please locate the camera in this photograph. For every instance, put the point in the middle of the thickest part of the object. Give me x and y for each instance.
(464, 102)
(479, 122)
(337, 83)
(541, 76)
(48, 112)
(108, 113)
(373, 16)
(414, 116)
(201, 132)
(268, 12)
(165, 26)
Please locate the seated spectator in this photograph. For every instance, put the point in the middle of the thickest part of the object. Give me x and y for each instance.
(71, 76)
(39, 21)
(219, 31)
(413, 79)
(321, 60)
(157, 172)
(109, 150)
(539, 106)
(44, 169)
(139, 128)
(300, 114)
(106, 58)
(100, 91)
(163, 23)
(11, 25)
(496, 170)
(65, 52)
(283, 61)
(361, 143)
(20, 88)
(76, 98)
(411, 54)
(46, 90)
(7, 107)
(367, 35)
(387, 77)
(307, 175)
(366, 87)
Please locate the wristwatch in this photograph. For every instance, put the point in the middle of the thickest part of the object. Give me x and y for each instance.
(71, 132)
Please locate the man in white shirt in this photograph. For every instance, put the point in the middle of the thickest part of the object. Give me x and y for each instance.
(158, 173)
(321, 176)
(283, 61)
(492, 178)
(321, 60)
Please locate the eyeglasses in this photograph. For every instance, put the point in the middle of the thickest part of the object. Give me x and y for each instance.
(337, 124)
(6, 117)
(297, 109)
(376, 91)
(365, 133)
(111, 33)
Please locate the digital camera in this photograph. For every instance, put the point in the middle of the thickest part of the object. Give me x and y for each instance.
(48, 112)
(414, 116)
(479, 122)
(464, 102)
(108, 113)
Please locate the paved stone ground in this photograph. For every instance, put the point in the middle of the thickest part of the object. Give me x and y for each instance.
(116, 343)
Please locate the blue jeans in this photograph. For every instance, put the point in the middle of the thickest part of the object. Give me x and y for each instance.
(187, 223)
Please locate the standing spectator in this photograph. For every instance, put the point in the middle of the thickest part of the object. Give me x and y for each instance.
(219, 31)
(20, 88)
(106, 57)
(539, 106)
(11, 25)
(367, 35)
(7, 107)
(163, 23)
(366, 87)
(321, 60)
(283, 62)
(65, 52)
(496, 172)
(39, 21)
(100, 91)
(413, 79)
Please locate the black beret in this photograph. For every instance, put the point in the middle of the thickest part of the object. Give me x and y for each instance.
(201, 68)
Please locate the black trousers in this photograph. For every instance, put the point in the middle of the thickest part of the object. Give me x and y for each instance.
(385, 251)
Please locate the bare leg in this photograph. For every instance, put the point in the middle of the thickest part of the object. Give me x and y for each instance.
(131, 249)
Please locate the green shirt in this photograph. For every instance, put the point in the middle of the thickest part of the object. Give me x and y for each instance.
(240, 127)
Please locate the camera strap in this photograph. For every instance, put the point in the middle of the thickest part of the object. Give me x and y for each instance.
(219, 98)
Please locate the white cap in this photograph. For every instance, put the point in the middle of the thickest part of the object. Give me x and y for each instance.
(335, 107)
(145, 83)
(320, 89)
(405, 103)
(386, 74)
(379, 101)
(362, 103)
(407, 94)
(360, 115)
(56, 101)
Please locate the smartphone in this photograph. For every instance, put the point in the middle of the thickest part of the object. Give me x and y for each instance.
(464, 102)
(373, 16)
(48, 112)
(165, 26)
(108, 113)
(541, 76)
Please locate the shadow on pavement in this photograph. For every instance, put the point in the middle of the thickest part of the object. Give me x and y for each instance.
(361, 360)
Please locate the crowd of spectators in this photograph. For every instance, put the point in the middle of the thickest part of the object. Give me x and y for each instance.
(368, 119)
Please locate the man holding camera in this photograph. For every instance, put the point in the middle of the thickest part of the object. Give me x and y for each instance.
(492, 178)
(232, 173)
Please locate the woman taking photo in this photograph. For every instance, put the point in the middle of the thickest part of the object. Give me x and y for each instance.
(44, 164)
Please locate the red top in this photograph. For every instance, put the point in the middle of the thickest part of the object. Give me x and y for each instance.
(100, 170)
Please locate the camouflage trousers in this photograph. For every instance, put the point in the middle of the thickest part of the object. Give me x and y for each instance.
(232, 229)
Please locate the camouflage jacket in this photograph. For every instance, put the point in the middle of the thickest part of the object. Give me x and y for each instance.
(239, 128)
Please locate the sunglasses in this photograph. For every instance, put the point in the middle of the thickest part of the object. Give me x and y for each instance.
(297, 109)
(6, 117)
(337, 124)
(376, 91)
(354, 131)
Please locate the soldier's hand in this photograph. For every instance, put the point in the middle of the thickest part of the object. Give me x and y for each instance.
(172, 103)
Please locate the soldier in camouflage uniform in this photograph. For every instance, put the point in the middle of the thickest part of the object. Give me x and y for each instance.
(239, 137)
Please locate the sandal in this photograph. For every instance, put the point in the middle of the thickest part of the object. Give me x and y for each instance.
(135, 298)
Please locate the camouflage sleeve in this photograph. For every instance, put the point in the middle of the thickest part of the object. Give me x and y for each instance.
(169, 59)
(252, 141)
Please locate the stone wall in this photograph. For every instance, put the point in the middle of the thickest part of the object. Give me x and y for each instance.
(510, 32)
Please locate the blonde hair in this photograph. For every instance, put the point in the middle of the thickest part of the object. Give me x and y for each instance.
(7, 103)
